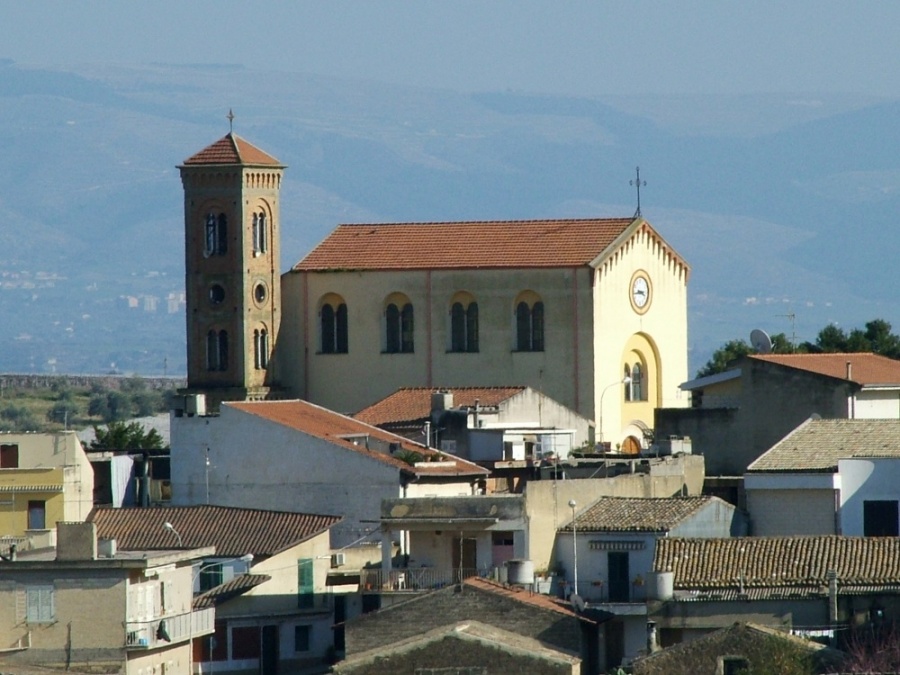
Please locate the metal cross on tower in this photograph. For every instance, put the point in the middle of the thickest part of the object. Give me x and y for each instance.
(637, 182)
(230, 118)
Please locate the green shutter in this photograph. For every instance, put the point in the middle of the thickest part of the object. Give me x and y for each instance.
(305, 584)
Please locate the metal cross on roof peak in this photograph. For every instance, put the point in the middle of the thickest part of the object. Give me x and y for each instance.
(637, 182)
(230, 118)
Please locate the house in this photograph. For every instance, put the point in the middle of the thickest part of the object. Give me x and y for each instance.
(464, 647)
(85, 604)
(44, 479)
(836, 476)
(294, 455)
(568, 307)
(131, 478)
(552, 623)
(276, 616)
(741, 648)
(605, 552)
(811, 585)
(737, 415)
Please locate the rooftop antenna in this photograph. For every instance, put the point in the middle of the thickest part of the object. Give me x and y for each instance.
(637, 182)
(790, 316)
(760, 341)
(230, 118)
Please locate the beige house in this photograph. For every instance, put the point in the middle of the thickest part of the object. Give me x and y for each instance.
(44, 479)
(85, 607)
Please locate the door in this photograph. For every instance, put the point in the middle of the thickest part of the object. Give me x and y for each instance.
(340, 615)
(268, 662)
(464, 558)
(37, 515)
(619, 578)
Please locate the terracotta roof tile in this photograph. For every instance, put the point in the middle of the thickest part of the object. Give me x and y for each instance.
(465, 245)
(525, 596)
(866, 368)
(230, 589)
(233, 531)
(411, 404)
(626, 514)
(779, 562)
(342, 430)
(817, 445)
(232, 149)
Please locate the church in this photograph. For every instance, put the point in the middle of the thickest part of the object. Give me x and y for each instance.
(590, 312)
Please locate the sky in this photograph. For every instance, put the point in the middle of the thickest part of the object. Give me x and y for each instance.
(550, 46)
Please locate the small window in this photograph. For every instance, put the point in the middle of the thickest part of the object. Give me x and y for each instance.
(626, 379)
(217, 350)
(464, 326)
(638, 391)
(302, 638)
(734, 665)
(530, 326)
(37, 515)
(211, 575)
(260, 236)
(9, 456)
(305, 584)
(216, 242)
(261, 349)
(216, 294)
(333, 318)
(398, 328)
(40, 604)
(259, 293)
(880, 518)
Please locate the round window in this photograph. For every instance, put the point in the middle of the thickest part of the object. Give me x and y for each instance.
(216, 294)
(259, 293)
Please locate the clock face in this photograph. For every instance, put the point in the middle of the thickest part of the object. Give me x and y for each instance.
(640, 292)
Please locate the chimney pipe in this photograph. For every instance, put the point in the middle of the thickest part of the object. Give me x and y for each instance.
(652, 640)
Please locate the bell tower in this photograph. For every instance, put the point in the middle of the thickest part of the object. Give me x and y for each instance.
(232, 275)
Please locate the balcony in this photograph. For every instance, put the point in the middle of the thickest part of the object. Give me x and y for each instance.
(622, 598)
(178, 628)
(412, 579)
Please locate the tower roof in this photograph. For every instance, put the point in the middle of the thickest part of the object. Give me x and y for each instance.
(232, 149)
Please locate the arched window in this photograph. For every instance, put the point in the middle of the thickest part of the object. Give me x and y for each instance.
(217, 350)
(638, 392)
(260, 236)
(216, 231)
(333, 318)
(261, 349)
(628, 385)
(530, 326)
(464, 326)
(398, 327)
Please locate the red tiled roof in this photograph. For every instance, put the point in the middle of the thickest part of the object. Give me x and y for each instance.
(414, 403)
(230, 589)
(233, 531)
(232, 149)
(466, 245)
(338, 429)
(525, 596)
(866, 368)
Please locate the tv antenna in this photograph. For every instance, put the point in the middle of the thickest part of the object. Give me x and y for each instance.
(637, 182)
(791, 316)
(760, 341)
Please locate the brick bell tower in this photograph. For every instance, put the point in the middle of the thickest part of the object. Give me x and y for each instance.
(232, 275)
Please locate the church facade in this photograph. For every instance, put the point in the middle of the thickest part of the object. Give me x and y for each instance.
(591, 312)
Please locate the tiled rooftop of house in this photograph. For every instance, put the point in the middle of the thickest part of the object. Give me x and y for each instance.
(342, 430)
(779, 562)
(233, 531)
(471, 245)
(866, 369)
(817, 445)
(525, 596)
(232, 149)
(230, 589)
(625, 514)
(411, 404)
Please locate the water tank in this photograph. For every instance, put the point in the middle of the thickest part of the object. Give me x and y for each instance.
(662, 585)
(520, 572)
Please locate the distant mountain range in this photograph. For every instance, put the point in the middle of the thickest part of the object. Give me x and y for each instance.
(785, 206)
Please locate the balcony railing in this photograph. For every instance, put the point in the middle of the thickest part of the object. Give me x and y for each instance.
(615, 592)
(177, 627)
(417, 578)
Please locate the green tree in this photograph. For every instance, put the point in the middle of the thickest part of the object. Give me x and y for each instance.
(122, 436)
(724, 356)
(63, 411)
(876, 337)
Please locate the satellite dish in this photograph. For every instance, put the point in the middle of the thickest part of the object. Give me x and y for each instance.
(815, 416)
(578, 602)
(760, 341)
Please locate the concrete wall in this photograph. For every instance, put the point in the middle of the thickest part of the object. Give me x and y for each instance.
(775, 513)
(532, 406)
(877, 404)
(864, 480)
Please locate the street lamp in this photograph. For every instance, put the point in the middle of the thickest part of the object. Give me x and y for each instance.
(171, 528)
(572, 505)
(624, 380)
(247, 558)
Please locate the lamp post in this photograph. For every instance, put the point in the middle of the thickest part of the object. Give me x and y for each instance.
(171, 528)
(624, 380)
(572, 505)
(246, 559)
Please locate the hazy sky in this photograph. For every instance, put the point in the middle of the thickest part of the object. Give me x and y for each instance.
(579, 48)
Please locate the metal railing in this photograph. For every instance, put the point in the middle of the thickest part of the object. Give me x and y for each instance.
(177, 627)
(417, 578)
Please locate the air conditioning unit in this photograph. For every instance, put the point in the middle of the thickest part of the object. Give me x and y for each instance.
(338, 559)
